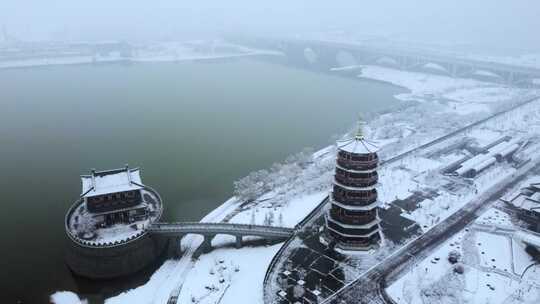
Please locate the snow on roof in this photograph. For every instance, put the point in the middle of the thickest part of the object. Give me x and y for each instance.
(535, 181)
(357, 145)
(526, 203)
(499, 147)
(111, 181)
(529, 238)
(480, 160)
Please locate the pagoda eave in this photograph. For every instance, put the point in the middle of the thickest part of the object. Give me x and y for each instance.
(367, 225)
(351, 207)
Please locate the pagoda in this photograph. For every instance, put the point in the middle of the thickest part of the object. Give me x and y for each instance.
(352, 222)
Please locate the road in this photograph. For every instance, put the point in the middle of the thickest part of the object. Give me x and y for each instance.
(369, 287)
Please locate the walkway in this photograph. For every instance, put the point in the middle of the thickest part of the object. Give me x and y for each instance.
(183, 228)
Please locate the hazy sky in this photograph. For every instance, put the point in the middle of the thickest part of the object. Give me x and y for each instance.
(487, 22)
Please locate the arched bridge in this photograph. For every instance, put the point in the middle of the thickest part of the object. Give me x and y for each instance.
(210, 230)
(183, 228)
(326, 54)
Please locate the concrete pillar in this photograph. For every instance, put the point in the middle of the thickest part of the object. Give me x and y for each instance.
(178, 246)
(402, 63)
(510, 79)
(175, 247)
(207, 243)
(238, 241)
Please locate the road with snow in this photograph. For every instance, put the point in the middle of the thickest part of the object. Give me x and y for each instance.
(369, 287)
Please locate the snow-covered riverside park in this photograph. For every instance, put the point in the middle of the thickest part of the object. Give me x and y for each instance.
(227, 274)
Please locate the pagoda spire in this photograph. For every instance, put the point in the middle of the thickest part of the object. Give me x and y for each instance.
(360, 131)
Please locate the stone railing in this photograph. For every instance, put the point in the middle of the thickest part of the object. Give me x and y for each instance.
(91, 244)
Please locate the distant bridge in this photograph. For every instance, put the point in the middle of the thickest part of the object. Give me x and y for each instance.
(327, 54)
(210, 230)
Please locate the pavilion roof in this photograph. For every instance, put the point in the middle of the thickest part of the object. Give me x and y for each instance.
(111, 181)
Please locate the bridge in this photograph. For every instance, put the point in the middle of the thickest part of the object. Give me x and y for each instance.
(328, 54)
(210, 230)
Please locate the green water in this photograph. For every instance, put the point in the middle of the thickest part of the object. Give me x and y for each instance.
(194, 128)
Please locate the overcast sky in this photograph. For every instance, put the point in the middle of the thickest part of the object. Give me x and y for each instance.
(486, 22)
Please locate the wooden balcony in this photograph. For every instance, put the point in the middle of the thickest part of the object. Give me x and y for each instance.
(349, 218)
(356, 182)
(357, 165)
(342, 197)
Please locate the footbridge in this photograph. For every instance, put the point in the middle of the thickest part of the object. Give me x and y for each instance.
(210, 230)
(327, 54)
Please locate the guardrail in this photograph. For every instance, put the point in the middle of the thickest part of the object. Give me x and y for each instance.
(217, 228)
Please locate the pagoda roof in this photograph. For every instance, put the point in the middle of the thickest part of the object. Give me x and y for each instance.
(111, 181)
(357, 145)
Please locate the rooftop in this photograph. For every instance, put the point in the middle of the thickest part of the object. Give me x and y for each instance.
(111, 181)
(357, 145)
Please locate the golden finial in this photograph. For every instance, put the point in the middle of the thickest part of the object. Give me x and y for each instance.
(360, 131)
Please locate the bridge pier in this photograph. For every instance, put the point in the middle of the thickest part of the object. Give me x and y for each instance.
(453, 70)
(238, 244)
(178, 246)
(207, 243)
(175, 247)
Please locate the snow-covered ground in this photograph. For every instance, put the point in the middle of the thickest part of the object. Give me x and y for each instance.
(495, 268)
(287, 215)
(173, 272)
(466, 95)
(59, 60)
(66, 297)
(194, 50)
(228, 274)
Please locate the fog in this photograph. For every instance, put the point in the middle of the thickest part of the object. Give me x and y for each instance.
(484, 23)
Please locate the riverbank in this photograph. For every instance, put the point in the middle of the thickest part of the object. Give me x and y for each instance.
(417, 124)
(156, 52)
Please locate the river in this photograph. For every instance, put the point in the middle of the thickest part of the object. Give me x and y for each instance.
(193, 128)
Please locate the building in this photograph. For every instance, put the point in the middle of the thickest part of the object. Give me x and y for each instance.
(352, 222)
(107, 225)
(114, 196)
(527, 201)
